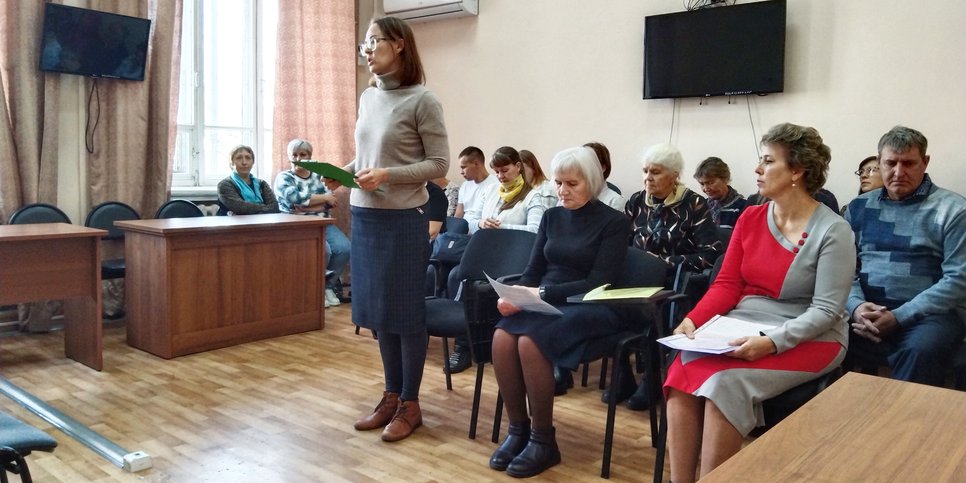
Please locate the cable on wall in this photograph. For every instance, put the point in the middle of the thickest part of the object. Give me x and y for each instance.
(754, 136)
(88, 130)
(674, 108)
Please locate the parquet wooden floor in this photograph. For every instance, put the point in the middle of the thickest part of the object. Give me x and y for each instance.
(281, 410)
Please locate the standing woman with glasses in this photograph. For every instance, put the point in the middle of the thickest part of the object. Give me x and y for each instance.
(400, 145)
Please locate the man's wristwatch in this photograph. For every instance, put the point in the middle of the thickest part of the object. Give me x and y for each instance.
(543, 292)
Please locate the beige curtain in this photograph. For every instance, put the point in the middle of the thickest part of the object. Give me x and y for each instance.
(134, 139)
(315, 85)
(28, 145)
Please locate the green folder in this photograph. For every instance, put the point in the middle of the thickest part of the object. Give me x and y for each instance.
(330, 171)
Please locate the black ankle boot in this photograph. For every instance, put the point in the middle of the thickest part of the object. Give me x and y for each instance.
(625, 385)
(514, 443)
(641, 399)
(540, 453)
(563, 379)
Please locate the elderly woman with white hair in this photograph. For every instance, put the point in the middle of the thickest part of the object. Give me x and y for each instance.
(580, 245)
(301, 191)
(673, 223)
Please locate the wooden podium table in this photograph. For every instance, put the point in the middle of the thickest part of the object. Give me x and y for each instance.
(195, 284)
(862, 428)
(57, 261)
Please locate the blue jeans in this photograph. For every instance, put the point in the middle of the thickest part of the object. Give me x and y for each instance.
(920, 353)
(336, 252)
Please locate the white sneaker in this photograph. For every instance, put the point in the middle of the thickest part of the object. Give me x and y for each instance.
(331, 300)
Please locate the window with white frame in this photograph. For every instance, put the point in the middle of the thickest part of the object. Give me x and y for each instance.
(227, 87)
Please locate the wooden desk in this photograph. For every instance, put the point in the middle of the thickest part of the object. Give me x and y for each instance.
(195, 284)
(57, 261)
(862, 428)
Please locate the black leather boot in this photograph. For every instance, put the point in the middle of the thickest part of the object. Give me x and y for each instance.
(563, 379)
(625, 384)
(540, 453)
(641, 399)
(516, 440)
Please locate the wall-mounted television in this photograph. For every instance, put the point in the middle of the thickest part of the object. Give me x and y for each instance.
(92, 43)
(718, 51)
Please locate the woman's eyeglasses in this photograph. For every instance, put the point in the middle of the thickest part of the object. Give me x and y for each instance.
(369, 45)
(867, 171)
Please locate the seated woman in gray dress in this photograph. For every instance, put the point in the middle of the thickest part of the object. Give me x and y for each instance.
(580, 245)
(790, 265)
(242, 193)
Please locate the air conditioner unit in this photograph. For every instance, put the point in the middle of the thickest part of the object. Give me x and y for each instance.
(427, 10)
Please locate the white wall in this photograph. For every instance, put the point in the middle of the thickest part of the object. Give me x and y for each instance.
(548, 74)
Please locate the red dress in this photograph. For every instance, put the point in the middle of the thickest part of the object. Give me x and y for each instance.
(797, 286)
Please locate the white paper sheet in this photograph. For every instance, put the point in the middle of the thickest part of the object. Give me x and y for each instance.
(713, 337)
(522, 297)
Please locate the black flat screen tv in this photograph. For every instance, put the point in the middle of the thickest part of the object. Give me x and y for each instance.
(92, 43)
(719, 51)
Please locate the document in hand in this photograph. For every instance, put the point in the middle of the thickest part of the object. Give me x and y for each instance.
(330, 171)
(713, 337)
(522, 297)
(603, 293)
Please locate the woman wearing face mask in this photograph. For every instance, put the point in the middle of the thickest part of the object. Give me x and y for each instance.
(242, 193)
(513, 204)
(401, 144)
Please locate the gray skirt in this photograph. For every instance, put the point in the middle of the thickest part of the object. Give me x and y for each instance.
(389, 255)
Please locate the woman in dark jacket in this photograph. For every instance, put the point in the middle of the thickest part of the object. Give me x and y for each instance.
(673, 223)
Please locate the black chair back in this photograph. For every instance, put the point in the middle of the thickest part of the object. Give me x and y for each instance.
(105, 214)
(642, 269)
(715, 269)
(38, 213)
(613, 187)
(456, 225)
(179, 209)
(496, 252)
(724, 234)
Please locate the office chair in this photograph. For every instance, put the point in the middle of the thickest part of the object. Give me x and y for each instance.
(103, 217)
(179, 209)
(17, 440)
(473, 313)
(38, 213)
